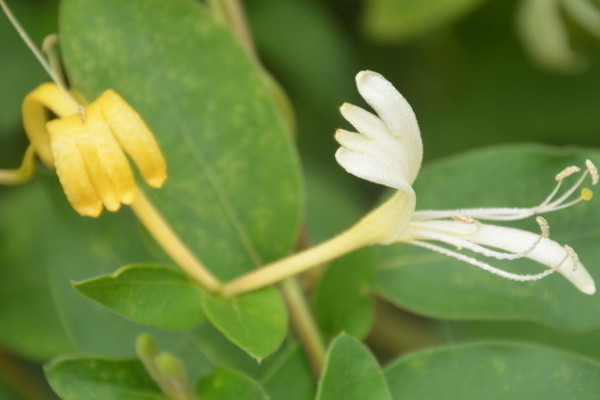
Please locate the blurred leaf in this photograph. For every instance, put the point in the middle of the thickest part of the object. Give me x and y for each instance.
(31, 326)
(493, 372)
(233, 184)
(331, 205)
(584, 343)
(152, 295)
(351, 373)
(520, 176)
(290, 366)
(404, 19)
(226, 384)
(255, 321)
(100, 379)
(342, 301)
(287, 31)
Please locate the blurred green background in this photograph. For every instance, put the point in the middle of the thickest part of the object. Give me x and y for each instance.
(463, 68)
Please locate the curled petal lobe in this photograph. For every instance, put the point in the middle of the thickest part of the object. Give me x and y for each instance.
(135, 137)
(35, 107)
(387, 148)
(71, 167)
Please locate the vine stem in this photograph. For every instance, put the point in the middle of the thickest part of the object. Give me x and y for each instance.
(304, 323)
(171, 243)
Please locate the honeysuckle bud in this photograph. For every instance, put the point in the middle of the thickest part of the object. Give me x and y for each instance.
(87, 146)
(387, 149)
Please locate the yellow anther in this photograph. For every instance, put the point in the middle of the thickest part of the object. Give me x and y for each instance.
(544, 227)
(572, 255)
(586, 194)
(567, 172)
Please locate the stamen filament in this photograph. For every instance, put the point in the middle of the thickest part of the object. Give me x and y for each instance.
(485, 266)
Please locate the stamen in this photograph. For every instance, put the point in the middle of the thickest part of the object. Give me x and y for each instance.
(463, 219)
(485, 266)
(447, 232)
(544, 227)
(593, 171)
(550, 203)
(572, 255)
(567, 172)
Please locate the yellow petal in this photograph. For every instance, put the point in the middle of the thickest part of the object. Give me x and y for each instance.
(135, 137)
(35, 108)
(71, 167)
(107, 165)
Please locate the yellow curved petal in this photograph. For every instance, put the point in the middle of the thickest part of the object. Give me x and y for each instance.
(107, 165)
(135, 137)
(35, 108)
(71, 167)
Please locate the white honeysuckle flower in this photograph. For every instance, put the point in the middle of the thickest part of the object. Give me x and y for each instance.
(387, 149)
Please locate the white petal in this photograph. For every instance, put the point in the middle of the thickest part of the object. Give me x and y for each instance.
(388, 149)
(365, 122)
(546, 252)
(397, 114)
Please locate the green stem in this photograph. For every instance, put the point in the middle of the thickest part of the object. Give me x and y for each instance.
(382, 225)
(172, 244)
(304, 324)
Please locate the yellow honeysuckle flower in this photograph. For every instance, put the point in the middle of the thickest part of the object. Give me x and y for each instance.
(87, 146)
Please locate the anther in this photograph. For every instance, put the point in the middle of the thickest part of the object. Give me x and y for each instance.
(573, 256)
(464, 219)
(544, 227)
(567, 172)
(592, 170)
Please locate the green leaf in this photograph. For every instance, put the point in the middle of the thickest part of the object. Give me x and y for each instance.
(494, 372)
(512, 176)
(584, 343)
(226, 384)
(291, 366)
(342, 300)
(351, 373)
(404, 19)
(255, 321)
(233, 193)
(153, 295)
(100, 379)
